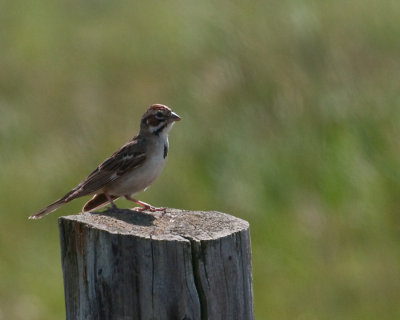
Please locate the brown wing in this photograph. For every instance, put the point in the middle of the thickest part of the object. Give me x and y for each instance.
(131, 155)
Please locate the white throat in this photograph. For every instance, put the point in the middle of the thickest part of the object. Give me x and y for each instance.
(162, 128)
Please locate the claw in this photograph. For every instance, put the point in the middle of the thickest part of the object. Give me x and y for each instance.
(151, 209)
(145, 206)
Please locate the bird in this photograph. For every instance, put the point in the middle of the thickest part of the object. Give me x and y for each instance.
(129, 170)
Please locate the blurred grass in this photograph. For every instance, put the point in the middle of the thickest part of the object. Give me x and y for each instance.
(291, 121)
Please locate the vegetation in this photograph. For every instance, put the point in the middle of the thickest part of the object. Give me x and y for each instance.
(291, 113)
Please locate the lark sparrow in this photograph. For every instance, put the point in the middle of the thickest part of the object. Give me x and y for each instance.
(128, 171)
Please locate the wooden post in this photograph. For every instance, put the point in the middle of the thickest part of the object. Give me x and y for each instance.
(134, 265)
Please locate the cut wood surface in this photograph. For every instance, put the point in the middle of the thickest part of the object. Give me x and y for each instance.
(137, 265)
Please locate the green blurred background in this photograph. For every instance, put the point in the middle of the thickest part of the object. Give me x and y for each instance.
(291, 113)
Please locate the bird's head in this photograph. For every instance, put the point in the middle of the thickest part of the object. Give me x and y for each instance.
(158, 119)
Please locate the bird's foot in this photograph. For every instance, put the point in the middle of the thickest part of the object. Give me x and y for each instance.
(151, 209)
(113, 208)
(145, 206)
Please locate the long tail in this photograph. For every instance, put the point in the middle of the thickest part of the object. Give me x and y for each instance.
(50, 208)
(98, 201)
(55, 205)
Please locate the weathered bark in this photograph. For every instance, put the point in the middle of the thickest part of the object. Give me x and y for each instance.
(132, 265)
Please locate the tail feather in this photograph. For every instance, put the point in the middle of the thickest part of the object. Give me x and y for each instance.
(98, 201)
(50, 208)
(56, 204)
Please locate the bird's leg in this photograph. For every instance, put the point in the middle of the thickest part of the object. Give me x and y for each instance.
(145, 206)
(113, 206)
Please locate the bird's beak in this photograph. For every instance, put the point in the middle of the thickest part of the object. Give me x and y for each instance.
(175, 117)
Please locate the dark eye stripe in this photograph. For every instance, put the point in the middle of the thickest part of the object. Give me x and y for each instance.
(160, 115)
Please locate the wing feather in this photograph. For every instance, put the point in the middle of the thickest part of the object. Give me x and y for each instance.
(129, 156)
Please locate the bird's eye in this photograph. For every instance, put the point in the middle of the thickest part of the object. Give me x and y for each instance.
(159, 115)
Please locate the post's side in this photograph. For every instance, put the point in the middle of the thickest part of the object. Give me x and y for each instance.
(131, 265)
(225, 274)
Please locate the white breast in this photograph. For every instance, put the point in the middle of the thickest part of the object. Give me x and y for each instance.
(140, 178)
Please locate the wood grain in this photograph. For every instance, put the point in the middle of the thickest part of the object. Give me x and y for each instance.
(134, 265)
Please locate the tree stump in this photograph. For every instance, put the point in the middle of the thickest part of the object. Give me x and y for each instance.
(136, 265)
